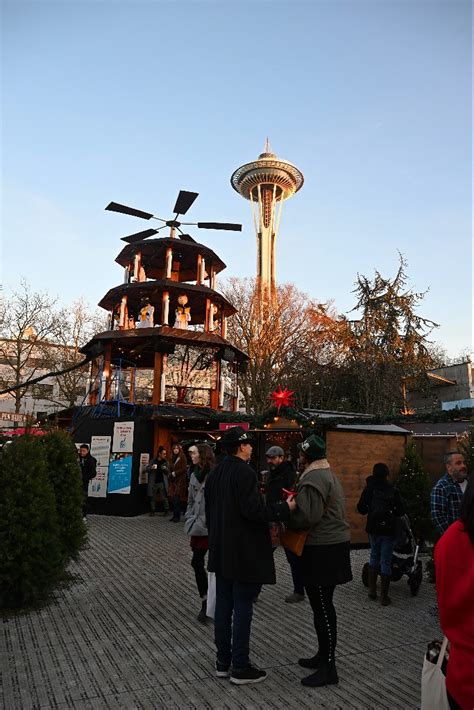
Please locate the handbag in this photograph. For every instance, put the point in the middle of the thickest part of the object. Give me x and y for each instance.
(211, 595)
(294, 540)
(433, 682)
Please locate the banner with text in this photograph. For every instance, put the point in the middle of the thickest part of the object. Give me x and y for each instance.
(120, 474)
(223, 426)
(100, 449)
(123, 437)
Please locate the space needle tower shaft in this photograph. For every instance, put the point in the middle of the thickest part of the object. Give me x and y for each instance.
(266, 183)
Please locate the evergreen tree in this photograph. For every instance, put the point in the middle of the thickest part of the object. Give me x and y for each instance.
(31, 563)
(389, 342)
(414, 486)
(64, 475)
(466, 448)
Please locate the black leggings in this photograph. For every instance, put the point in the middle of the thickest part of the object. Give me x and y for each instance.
(325, 620)
(197, 564)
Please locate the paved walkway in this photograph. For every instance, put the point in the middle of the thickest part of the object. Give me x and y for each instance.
(125, 636)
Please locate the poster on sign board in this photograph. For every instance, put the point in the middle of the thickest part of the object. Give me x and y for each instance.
(100, 449)
(123, 437)
(143, 474)
(120, 473)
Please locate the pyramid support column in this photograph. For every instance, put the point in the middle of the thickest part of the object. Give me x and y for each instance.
(165, 308)
(93, 384)
(107, 372)
(216, 389)
(157, 379)
(131, 396)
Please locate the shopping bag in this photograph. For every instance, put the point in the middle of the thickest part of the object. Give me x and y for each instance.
(211, 595)
(433, 682)
(294, 540)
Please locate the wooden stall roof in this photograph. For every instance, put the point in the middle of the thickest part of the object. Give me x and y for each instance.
(333, 414)
(169, 412)
(373, 428)
(438, 428)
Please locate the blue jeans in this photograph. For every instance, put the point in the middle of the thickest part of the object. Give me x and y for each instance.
(381, 550)
(232, 621)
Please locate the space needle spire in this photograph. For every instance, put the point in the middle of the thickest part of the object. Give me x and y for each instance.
(267, 182)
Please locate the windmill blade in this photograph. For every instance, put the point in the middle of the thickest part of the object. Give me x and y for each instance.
(117, 207)
(220, 225)
(184, 201)
(132, 238)
(186, 237)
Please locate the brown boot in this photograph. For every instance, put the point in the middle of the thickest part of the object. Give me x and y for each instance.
(372, 583)
(385, 584)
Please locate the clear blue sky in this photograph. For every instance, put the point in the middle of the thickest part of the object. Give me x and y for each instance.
(131, 101)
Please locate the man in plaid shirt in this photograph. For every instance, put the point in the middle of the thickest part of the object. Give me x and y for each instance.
(447, 494)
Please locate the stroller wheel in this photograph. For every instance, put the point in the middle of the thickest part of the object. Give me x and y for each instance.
(365, 575)
(415, 579)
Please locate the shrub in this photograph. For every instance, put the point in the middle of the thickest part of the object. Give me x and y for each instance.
(31, 560)
(64, 475)
(414, 486)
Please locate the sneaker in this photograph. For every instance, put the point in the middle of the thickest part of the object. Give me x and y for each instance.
(294, 598)
(249, 675)
(222, 670)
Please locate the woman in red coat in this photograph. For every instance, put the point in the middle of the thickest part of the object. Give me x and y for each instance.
(177, 481)
(454, 562)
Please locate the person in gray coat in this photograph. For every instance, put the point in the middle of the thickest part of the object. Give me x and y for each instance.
(203, 462)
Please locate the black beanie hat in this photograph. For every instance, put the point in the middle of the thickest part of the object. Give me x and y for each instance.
(380, 470)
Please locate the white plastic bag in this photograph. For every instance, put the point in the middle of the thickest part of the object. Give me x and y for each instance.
(211, 594)
(433, 683)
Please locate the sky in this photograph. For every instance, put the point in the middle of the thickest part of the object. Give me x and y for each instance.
(133, 101)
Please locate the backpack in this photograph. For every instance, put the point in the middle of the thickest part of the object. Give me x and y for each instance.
(381, 508)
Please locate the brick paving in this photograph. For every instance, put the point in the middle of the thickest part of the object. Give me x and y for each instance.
(124, 635)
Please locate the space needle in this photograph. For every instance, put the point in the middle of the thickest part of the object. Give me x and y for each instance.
(267, 182)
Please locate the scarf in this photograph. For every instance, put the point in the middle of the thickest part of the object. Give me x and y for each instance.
(200, 473)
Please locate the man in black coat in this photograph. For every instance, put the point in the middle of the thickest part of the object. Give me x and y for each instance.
(240, 552)
(88, 466)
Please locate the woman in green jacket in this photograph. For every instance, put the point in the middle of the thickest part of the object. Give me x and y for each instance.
(325, 562)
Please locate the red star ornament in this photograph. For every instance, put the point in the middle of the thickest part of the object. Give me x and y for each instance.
(282, 398)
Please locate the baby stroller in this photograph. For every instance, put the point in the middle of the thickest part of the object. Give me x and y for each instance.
(405, 544)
